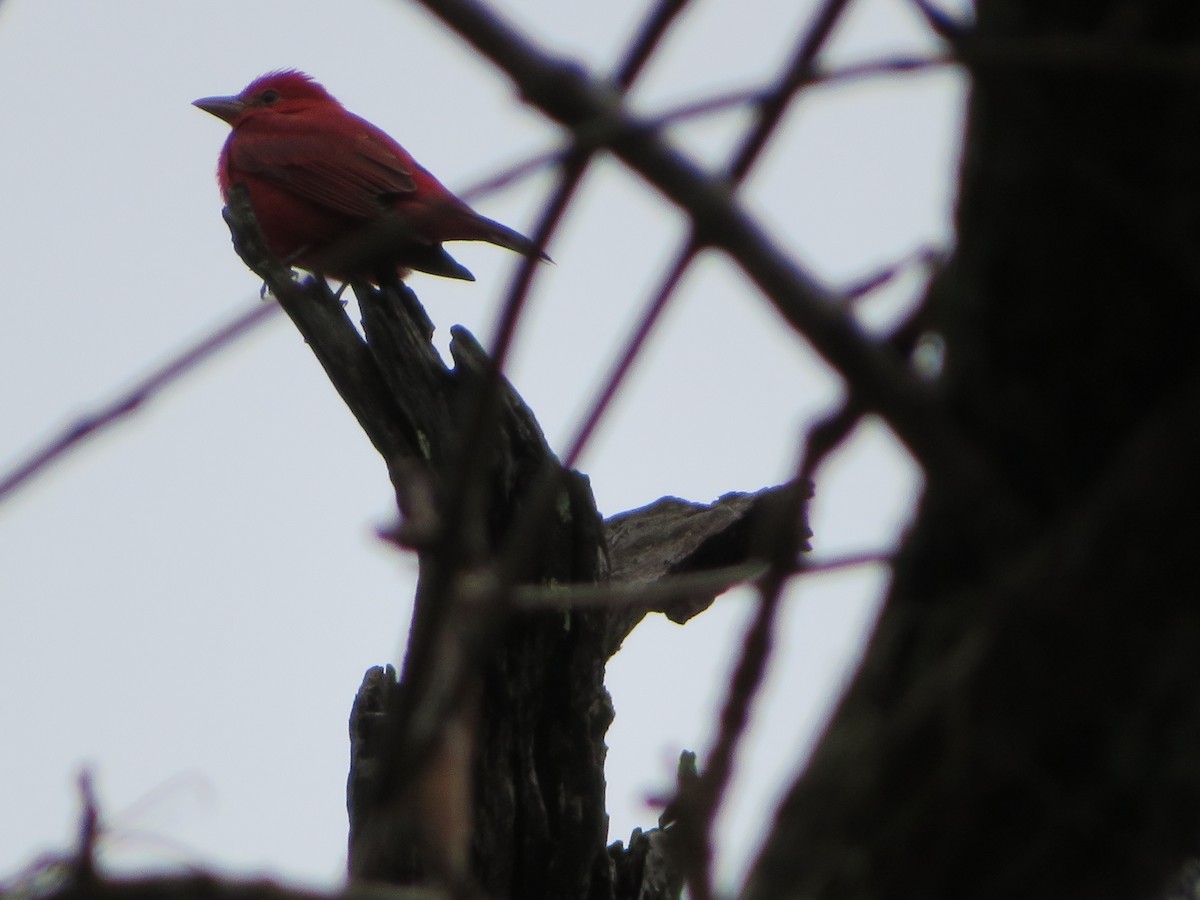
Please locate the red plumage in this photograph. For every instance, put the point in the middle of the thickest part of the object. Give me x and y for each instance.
(336, 195)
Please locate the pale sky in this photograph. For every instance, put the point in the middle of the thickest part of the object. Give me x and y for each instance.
(188, 603)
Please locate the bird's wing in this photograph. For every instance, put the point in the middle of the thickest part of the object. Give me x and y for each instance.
(345, 164)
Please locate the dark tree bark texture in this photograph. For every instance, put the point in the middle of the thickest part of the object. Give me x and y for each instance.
(1026, 720)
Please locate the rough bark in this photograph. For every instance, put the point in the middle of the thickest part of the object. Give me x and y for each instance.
(1025, 723)
(556, 720)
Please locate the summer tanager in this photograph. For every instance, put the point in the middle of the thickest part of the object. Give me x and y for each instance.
(335, 195)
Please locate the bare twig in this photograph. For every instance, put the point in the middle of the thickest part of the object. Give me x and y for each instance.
(697, 808)
(89, 832)
(696, 826)
(674, 587)
(927, 257)
(698, 811)
(939, 21)
(633, 347)
(827, 435)
(606, 133)
(131, 401)
(772, 105)
(771, 110)
(655, 28)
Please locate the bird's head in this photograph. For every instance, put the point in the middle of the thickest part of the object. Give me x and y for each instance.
(284, 91)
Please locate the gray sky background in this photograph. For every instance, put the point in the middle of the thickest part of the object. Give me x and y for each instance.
(188, 603)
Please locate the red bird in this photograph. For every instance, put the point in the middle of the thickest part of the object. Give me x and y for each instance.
(335, 195)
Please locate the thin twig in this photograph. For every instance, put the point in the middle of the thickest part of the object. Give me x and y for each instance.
(606, 133)
(782, 540)
(129, 402)
(926, 257)
(698, 806)
(633, 347)
(939, 21)
(772, 104)
(653, 30)
(89, 833)
(771, 111)
(615, 594)
(710, 790)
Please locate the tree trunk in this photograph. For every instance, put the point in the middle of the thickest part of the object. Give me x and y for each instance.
(1025, 721)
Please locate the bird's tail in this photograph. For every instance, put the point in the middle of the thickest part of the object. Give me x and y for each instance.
(481, 228)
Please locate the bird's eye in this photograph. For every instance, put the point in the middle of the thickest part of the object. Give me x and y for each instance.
(266, 98)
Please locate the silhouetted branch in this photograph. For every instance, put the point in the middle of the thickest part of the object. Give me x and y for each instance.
(779, 535)
(771, 109)
(662, 595)
(799, 71)
(602, 134)
(940, 22)
(131, 401)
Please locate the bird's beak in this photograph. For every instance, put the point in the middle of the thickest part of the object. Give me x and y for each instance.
(226, 108)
